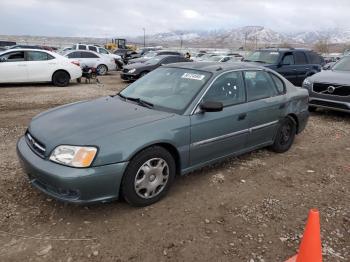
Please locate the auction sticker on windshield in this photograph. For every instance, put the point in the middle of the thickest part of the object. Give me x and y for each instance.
(193, 76)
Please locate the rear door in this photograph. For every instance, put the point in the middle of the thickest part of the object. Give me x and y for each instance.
(218, 134)
(267, 105)
(301, 67)
(13, 67)
(90, 59)
(41, 66)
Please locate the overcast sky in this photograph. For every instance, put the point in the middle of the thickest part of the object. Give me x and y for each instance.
(108, 18)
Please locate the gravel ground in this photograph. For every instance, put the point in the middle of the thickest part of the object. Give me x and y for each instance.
(250, 208)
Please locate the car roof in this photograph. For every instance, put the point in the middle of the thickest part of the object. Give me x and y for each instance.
(283, 49)
(216, 66)
(27, 49)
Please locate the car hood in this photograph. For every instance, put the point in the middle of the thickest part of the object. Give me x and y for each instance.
(138, 60)
(85, 122)
(139, 65)
(330, 76)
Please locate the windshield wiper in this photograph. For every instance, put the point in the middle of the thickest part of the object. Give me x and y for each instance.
(247, 60)
(137, 100)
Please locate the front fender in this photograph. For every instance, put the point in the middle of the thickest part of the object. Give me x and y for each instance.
(123, 146)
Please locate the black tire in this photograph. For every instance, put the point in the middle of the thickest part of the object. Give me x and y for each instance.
(128, 186)
(312, 108)
(143, 73)
(61, 78)
(102, 70)
(285, 136)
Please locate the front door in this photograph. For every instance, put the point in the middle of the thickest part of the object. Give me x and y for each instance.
(267, 105)
(13, 67)
(218, 134)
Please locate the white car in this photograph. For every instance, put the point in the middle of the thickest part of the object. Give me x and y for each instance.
(32, 65)
(96, 49)
(102, 63)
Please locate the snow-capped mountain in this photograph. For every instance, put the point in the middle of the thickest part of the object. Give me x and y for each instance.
(239, 36)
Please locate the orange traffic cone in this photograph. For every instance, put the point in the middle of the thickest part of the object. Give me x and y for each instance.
(310, 248)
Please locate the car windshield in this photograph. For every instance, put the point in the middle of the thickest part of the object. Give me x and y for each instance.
(215, 58)
(343, 64)
(150, 54)
(168, 89)
(268, 57)
(153, 61)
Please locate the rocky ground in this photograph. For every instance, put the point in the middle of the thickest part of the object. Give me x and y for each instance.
(250, 208)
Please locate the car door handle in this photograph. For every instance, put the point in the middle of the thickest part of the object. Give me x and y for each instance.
(242, 116)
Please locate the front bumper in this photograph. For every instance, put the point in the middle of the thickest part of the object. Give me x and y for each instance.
(74, 185)
(129, 77)
(333, 104)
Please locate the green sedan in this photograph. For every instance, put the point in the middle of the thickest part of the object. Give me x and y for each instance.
(174, 120)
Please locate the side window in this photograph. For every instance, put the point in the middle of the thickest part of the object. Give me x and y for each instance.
(88, 55)
(228, 89)
(13, 57)
(288, 59)
(93, 48)
(300, 58)
(82, 47)
(38, 56)
(74, 55)
(259, 85)
(279, 84)
(103, 51)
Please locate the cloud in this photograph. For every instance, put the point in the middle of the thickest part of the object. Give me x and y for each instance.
(113, 18)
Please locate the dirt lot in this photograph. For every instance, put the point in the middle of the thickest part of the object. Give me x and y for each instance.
(251, 208)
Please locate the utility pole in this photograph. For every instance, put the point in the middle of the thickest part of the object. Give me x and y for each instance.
(144, 37)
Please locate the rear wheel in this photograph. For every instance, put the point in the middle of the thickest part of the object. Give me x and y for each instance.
(285, 136)
(102, 70)
(148, 176)
(60, 78)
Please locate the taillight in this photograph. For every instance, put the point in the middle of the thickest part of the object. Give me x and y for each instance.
(76, 63)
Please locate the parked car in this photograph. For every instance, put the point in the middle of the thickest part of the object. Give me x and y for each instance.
(102, 63)
(5, 43)
(152, 54)
(293, 64)
(32, 65)
(100, 50)
(221, 59)
(330, 89)
(2, 49)
(137, 70)
(174, 120)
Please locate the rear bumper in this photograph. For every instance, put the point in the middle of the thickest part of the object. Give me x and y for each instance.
(303, 118)
(73, 185)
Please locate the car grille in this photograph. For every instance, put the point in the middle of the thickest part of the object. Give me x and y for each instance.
(331, 89)
(36, 146)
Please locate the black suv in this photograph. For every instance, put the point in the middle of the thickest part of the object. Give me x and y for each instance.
(293, 64)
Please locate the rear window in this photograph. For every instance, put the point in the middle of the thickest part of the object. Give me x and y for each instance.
(88, 55)
(74, 55)
(82, 47)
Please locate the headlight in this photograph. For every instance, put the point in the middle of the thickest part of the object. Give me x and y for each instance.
(307, 83)
(132, 70)
(74, 156)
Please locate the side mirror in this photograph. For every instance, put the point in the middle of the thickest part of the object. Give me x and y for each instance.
(211, 106)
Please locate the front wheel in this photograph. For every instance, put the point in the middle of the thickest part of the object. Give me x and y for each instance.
(60, 78)
(102, 70)
(148, 176)
(285, 136)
